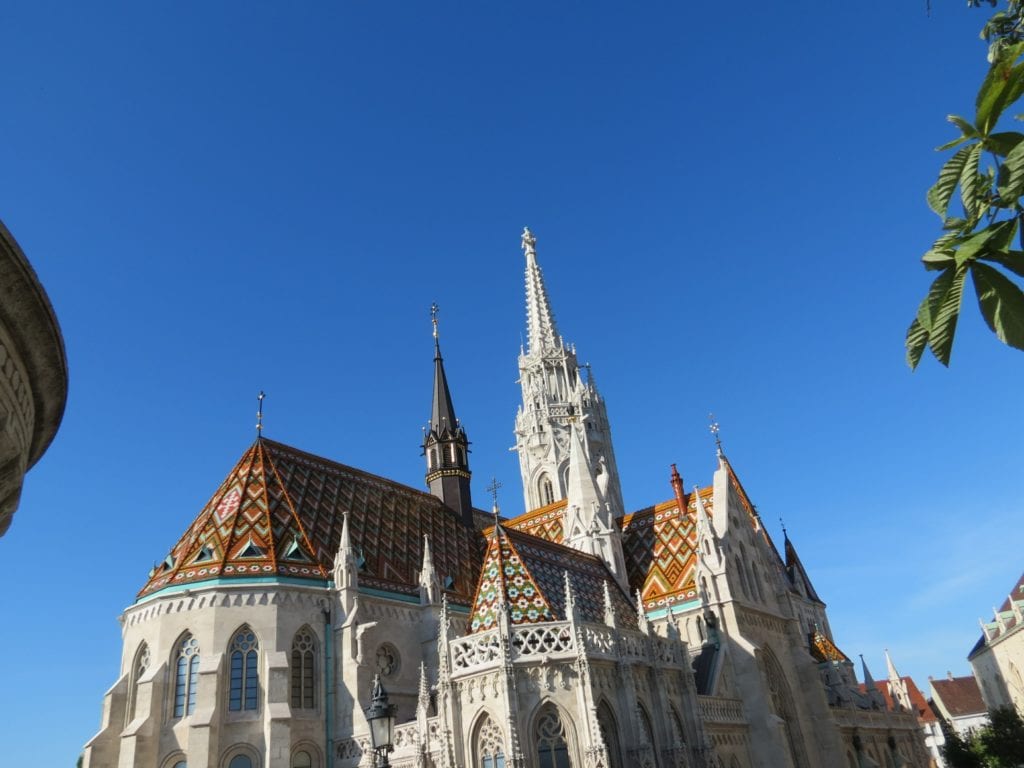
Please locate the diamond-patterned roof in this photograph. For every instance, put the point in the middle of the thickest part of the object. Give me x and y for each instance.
(660, 546)
(529, 563)
(279, 513)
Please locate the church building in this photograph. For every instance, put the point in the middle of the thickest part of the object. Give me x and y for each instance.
(576, 635)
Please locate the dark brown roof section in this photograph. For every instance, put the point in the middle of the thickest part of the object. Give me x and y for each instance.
(960, 696)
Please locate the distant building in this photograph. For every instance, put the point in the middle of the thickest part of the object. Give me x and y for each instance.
(958, 701)
(33, 373)
(902, 694)
(574, 635)
(998, 656)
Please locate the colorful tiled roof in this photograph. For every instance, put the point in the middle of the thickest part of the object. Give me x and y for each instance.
(823, 649)
(660, 546)
(543, 522)
(959, 696)
(532, 572)
(504, 579)
(279, 513)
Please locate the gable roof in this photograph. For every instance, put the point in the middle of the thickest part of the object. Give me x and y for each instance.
(528, 573)
(995, 629)
(959, 696)
(279, 513)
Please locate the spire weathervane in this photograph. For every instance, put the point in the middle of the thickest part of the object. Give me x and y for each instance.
(715, 429)
(259, 414)
(529, 242)
(492, 488)
(434, 309)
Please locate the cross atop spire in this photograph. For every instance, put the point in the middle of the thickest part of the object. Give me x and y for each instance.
(715, 429)
(259, 414)
(540, 322)
(434, 309)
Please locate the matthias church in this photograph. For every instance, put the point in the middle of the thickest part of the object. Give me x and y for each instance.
(577, 635)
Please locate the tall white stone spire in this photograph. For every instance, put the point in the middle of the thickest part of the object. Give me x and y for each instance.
(556, 395)
(541, 332)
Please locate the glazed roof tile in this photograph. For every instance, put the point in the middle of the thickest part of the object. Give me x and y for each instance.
(823, 649)
(659, 545)
(532, 573)
(960, 696)
(279, 513)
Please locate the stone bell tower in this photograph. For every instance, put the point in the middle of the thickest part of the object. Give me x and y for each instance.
(557, 398)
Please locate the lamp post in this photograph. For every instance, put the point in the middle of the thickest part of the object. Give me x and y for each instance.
(381, 717)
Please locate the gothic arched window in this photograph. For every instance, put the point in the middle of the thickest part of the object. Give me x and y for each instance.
(782, 703)
(610, 734)
(490, 746)
(547, 491)
(139, 666)
(303, 668)
(552, 749)
(245, 677)
(186, 675)
(678, 739)
(645, 726)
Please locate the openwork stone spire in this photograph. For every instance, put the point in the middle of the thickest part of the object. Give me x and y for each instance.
(540, 322)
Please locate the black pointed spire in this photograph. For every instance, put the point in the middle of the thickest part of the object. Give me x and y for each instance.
(442, 413)
(445, 444)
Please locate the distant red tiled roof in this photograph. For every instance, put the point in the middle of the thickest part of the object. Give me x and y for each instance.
(960, 696)
(921, 709)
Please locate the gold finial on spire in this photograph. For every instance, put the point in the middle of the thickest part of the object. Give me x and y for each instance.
(259, 414)
(434, 309)
(715, 429)
(529, 242)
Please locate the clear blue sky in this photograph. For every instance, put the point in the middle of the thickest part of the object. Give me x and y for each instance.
(729, 205)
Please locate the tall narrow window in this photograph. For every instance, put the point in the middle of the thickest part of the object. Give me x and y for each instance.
(552, 749)
(547, 491)
(610, 734)
(303, 677)
(186, 676)
(645, 726)
(245, 678)
(490, 746)
(139, 666)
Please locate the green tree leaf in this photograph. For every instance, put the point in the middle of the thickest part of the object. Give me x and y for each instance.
(917, 340)
(1012, 260)
(941, 192)
(1002, 143)
(1001, 303)
(1011, 176)
(970, 182)
(944, 309)
(1002, 86)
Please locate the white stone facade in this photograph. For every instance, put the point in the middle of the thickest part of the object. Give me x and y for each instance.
(739, 672)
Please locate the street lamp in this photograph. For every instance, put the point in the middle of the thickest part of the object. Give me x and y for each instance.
(381, 717)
